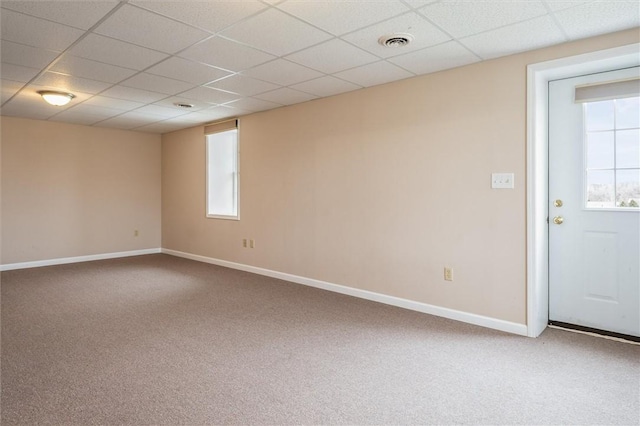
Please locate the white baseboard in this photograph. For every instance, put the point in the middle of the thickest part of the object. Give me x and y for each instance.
(64, 260)
(483, 321)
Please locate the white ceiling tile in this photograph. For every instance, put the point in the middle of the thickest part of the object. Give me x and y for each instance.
(332, 56)
(57, 81)
(374, 74)
(98, 111)
(241, 85)
(253, 104)
(515, 38)
(238, 112)
(226, 54)
(425, 34)
(209, 95)
(599, 17)
(79, 14)
(115, 52)
(23, 109)
(286, 96)
(144, 28)
(10, 84)
(282, 72)
(339, 16)
(27, 56)
(9, 88)
(156, 83)
(80, 67)
(111, 103)
(419, 3)
(326, 86)
(131, 94)
(556, 5)
(160, 127)
(140, 116)
(210, 16)
(172, 101)
(161, 111)
(188, 120)
(76, 118)
(94, 112)
(201, 117)
(437, 58)
(17, 72)
(462, 18)
(276, 32)
(130, 120)
(189, 71)
(36, 32)
(215, 113)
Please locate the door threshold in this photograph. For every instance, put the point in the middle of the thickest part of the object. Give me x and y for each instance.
(604, 334)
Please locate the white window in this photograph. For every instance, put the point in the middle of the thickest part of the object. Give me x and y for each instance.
(613, 153)
(222, 171)
(611, 144)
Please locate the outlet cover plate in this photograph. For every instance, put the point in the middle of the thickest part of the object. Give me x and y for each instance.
(502, 180)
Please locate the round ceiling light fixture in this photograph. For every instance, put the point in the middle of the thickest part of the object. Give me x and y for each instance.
(55, 98)
(181, 105)
(395, 40)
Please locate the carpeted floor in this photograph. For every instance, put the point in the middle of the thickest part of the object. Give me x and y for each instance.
(163, 340)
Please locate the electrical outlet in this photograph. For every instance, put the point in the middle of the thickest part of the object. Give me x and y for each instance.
(252, 244)
(244, 242)
(502, 180)
(135, 233)
(448, 273)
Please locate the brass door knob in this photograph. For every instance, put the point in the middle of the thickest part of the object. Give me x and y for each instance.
(558, 220)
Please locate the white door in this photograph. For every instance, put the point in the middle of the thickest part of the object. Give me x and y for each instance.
(594, 192)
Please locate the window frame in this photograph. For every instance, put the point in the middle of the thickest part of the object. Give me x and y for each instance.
(236, 176)
(614, 169)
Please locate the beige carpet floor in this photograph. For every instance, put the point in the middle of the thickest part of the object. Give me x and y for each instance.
(161, 340)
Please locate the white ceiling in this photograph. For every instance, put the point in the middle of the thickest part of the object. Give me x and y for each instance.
(128, 63)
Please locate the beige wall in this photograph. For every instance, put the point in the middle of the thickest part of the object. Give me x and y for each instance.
(70, 190)
(380, 188)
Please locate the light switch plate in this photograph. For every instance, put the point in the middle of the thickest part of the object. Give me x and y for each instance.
(502, 180)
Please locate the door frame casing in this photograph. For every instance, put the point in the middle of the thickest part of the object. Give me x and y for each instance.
(538, 77)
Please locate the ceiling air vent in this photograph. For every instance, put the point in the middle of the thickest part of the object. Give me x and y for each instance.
(181, 105)
(395, 40)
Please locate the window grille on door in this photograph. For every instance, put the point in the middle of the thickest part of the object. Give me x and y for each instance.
(611, 144)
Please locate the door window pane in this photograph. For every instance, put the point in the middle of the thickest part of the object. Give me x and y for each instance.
(600, 150)
(599, 116)
(612, 147)
(628, 188)
(627, 113)
(600, 188)
(628, 149)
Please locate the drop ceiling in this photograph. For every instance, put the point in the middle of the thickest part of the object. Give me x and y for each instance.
(129, 63)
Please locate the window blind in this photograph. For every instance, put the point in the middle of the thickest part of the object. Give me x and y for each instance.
(609, 90)
(221, 126)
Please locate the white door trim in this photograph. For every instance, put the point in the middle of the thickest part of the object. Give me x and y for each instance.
(538, 77)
